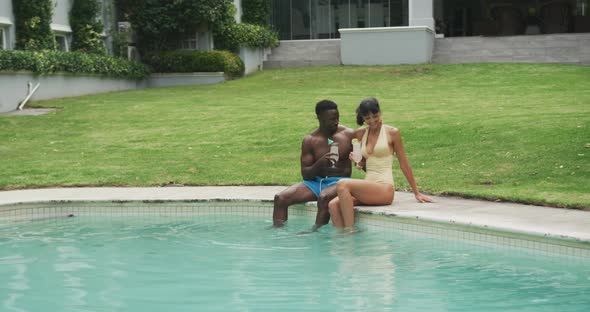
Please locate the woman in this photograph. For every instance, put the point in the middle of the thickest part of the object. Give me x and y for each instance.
(379, 143)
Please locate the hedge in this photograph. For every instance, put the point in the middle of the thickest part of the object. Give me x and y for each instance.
(255, 36)
(47, 62)
(195, 61)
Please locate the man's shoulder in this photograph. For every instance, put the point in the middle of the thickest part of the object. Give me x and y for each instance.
(345, 129)
(312, 136)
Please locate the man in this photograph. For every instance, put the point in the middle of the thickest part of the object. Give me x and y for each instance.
(319, 176)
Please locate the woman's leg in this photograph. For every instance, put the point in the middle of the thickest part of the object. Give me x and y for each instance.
(351, 191)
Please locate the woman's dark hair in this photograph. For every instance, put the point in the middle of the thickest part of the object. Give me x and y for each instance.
(367, 106)
(324, 105)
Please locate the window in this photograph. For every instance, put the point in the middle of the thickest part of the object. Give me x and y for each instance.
(321, 19)
(5, 24)
(62, 43)
(3, 42)
(190, 43)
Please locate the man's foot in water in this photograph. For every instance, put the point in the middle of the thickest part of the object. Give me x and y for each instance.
(314, 228)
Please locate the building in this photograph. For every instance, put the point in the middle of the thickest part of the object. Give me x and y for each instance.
(330, 32)
(6, 26)
(60, 24)
(322, 19)
(311, 31)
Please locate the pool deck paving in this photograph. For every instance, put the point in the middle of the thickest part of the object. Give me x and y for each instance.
(528, 219)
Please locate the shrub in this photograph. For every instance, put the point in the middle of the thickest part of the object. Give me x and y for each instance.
(255, 36)
(160, 24)
(195, 61)
(86, 28)
(47, 62)
(32, 24)
(256, 12)
(230, 35)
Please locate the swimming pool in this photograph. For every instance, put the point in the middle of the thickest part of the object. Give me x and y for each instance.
(221, 256)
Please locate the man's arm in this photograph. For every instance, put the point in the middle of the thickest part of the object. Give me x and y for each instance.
(310, 167)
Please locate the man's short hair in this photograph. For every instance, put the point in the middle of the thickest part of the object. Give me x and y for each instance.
(324, 105)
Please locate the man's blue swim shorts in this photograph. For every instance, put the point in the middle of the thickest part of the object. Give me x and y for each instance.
(319, 183)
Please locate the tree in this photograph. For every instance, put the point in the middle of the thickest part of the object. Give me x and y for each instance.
(86, 27)
(33, 25)
(160, 24)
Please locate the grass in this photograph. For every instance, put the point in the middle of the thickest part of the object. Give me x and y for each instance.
(512, 132)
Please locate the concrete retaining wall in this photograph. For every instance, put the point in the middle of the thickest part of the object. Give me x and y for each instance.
(253, 59)
(183, 79)
(386, 45)
(14, 86)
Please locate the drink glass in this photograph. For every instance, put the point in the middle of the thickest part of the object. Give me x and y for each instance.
(357, 155)
(334, 150)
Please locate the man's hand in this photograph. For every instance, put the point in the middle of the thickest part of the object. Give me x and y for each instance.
(328, 159)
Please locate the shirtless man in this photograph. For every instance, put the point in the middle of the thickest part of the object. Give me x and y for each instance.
(319, 178)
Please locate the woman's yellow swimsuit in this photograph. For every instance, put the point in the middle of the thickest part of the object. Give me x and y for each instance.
(380, 162)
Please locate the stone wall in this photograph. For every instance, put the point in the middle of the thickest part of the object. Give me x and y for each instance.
(557, 48)
(300, 53)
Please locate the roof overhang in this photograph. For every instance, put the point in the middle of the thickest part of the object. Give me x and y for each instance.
(61, 28)
(5, 21)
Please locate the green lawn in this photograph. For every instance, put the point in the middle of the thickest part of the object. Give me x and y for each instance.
(496, 131)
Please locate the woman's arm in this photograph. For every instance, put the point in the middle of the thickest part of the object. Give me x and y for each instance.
(358, 134)
(398, 147)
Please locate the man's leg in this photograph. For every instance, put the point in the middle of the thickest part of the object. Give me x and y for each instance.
(295, 194)
(323, 215)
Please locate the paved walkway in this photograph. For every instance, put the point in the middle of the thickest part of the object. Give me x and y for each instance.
(538, 220)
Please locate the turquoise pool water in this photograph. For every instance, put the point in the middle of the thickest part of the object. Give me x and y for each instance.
(235, 263)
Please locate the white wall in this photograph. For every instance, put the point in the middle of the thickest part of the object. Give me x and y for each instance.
(421, 13)
(61, 10)
(13, 87)
(253, 59)
(60, 22)
(386, 45)
(238, 5)
(7, 22)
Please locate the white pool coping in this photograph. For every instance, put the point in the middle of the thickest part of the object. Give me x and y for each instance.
(528, 219)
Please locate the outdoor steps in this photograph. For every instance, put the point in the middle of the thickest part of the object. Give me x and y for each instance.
(301, 53)
(555, 48)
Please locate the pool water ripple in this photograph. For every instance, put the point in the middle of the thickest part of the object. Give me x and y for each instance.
(236, 263)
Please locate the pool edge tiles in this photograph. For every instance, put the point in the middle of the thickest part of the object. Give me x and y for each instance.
(485, 235)
(55, 209)
(162, 208)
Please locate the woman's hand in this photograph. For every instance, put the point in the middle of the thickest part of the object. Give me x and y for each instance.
(423, 198)
(359, 165)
